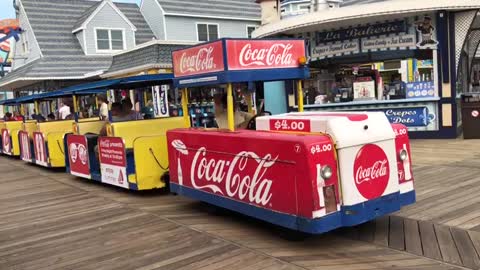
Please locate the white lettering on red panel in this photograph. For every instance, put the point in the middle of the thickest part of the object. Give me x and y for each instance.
(290, 125)
(210, 174)
(199, 60)
(264, 54)
(371, 171)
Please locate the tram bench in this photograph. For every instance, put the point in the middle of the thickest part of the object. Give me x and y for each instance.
(88, 126)
(145, 143)
(53, 133)
(30, 126)
(14, 127)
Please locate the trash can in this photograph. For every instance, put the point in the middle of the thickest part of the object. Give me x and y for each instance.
(471, 115)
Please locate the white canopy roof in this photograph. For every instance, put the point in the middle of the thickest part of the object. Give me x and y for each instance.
(361, 14)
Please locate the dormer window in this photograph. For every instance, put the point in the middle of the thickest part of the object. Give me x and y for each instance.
(109, 40)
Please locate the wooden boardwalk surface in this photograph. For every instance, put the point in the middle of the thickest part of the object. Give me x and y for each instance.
(444, 224)
(51, 220)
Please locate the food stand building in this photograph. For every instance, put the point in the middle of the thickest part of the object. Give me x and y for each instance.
(409, 59)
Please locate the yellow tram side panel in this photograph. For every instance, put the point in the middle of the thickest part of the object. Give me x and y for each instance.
(53, 133)
(14, 127)
(30, 127)
(148, 140)
(92, 119)
(94, 126)
(56, 149)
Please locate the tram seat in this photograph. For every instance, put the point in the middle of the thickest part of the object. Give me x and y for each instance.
(64, 126)
(54, 133)
(132, 130)
(89, 127)
(30, 127)
(146, 149)
(14, 127)
(91, 119)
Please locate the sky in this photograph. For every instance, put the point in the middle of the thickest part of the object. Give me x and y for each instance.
(7, 11)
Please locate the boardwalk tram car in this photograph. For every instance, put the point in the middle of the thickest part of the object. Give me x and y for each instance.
(42, 141)
(307, 172)
(130, 154)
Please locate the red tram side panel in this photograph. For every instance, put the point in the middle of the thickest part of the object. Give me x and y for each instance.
(277, 179)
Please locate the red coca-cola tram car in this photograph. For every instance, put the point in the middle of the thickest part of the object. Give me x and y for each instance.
(307, 172)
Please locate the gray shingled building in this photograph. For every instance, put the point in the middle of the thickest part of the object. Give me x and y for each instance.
(71, 41)
(57, 47)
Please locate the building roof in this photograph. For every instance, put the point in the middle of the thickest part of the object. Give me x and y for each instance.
(52, 22)
(352, 15)
(86, 14)
(152, 55)
(55, 68)
(360, 2)
(233, 9)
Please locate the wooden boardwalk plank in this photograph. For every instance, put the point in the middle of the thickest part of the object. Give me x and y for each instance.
(413, 243)
(396, 233)
(430, 245)
(447, 245)
(382, 228)
(465, 247)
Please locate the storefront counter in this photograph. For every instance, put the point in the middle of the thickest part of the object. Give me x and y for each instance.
(417, 114)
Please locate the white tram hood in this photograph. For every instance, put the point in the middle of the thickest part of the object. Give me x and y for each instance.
(347, 129)
(365, 145)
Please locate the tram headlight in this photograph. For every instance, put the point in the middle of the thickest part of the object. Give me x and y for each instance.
(326, 172)
(302, 60)
(403, 154)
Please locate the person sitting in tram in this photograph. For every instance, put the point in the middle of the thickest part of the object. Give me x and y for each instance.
(51, 117)
(103, 111)
(8, 116)
(148, 111)
(127, 108)
(64, 111)
(241, 118)
(17, 116)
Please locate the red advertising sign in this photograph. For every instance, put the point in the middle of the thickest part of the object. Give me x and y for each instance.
(113, 161)
(78, 156)
(40, 149)
(298, 125)
(264, 54)
(199, 60)
(265, 174)
(6, 142)
(371, 171)
(25, 150)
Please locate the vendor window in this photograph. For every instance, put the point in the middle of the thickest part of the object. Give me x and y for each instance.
(364, 78)
(109, 39)
(250, 29)
(207, 32)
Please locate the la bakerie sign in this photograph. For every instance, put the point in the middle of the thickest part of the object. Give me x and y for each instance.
(243, 54)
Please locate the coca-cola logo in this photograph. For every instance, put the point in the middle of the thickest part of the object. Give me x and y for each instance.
(371, 171)
(243, 177)
(201, 61)
(6, 141)
(278, 54)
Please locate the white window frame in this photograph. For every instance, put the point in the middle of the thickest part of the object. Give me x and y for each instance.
(251, 26)
(24, 43)
(208, 33)
(302, 7)
(110, 39)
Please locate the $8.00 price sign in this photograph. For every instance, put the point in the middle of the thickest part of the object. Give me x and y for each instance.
(290, 125)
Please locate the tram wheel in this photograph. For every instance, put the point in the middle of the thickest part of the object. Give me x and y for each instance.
(166, 179)
(292, 235)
